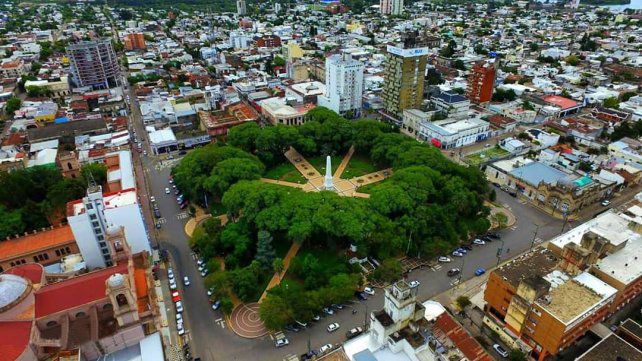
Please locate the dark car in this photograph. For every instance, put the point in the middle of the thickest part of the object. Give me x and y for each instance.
(493, 235)
(292, 328)
(361, 296)
(467, 247)
(309, 355)
(182, 152)
(157, 213)
(354, 332)
(453, 272)
(486, 239)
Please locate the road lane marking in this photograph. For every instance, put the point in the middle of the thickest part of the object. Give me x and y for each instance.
(182, 215)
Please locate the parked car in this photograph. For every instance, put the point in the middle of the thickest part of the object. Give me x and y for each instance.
(457, 254)
(281, 342)
(179, 306)
(210, 291)
(605, 203)
(172, 284)
(466, 247)
(181, 332)
(444, 259)
(166, 190)
(361, 296)
(369, 290)
(186, 281)
(493, 235)
(480, 271)
(325, 348)
(204, 272)
(478, 242)
(179, 317)
(500, 350)
(157, 213)
(328, 311)
(354, 332)
(337, 306)
(292, 328)
(199, 262)
(182, 152)
(170, 273)
(176, 296)
(216, 305)
(453, 272)
(152, 199)
(333, 327)
(316, 318)
(413, 284)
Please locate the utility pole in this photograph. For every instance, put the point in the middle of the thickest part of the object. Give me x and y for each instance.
(534, 235)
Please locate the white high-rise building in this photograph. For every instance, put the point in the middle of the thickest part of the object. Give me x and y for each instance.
(90, 217)
(241, 8)
(344, 85)
(391, 7)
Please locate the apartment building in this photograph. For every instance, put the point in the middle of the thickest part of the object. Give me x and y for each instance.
(481, 81)
(134, 41)
(343, 84)
(391, 7)
(94, 64)
(404, 69)
(540, 309)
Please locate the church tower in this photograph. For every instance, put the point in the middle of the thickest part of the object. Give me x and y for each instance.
(122, 299)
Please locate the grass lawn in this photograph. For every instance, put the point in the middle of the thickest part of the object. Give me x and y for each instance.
(485, 155)
(285, 172)
(318, 162)
(358, 166)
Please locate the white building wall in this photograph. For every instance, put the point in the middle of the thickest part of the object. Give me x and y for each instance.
(131, 218)
(344, 84)
(89, 249)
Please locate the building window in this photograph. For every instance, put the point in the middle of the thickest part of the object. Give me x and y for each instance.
(100, 237)
(121, 300)
(93, 217)
(58, 253)
(108, 306)
(80, 314)
(35, 259)
(46, 256)
(95, 224)
(52, 323)
(105, 250)
(89, 206)
(68, 249)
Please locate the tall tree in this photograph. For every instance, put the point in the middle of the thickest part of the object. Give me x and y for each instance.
(265, 253)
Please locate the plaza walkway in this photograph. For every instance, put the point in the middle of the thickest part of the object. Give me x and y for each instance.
(282, 183)
(276, 279)
(344, 163)
(301, 164)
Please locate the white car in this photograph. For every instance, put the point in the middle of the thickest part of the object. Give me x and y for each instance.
(172, 284)
(179, 325)
(605, 203)
(281, 342)
(186, 281)
(170, 273)
(166, 190)
(204, 272)
(200, 262)
(201, 267)
(179, 306)
(328, 310)
(333, 327)
(181, 332)
(152, 199)
(457, 254)
(500, 350)
(210, 291)
(369, 290)
(413, 284)
(179, 317)
(325, 348)
(479, 242)
(444, 259)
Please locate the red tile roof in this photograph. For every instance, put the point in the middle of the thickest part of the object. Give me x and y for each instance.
(559, 101)
(15, 339)
(74, 292)
(446, 326)
(35, 242)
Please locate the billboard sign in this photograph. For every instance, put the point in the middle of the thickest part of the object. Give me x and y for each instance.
(407, 53)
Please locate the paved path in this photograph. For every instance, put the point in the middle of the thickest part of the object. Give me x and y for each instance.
(276, 279)
(282, 183)
(344, 163)
(191, 225)
(301, 164)
(370, 178)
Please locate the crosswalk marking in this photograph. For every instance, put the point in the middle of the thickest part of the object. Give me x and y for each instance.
(182, 215)
(290, 357)
(220, 322)
(162, 220)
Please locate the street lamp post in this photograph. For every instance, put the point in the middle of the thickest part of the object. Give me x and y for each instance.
(534, 235)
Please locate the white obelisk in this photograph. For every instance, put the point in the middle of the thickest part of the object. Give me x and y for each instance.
(327, 183)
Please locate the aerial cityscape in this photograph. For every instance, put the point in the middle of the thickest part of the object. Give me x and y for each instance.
(334, 180)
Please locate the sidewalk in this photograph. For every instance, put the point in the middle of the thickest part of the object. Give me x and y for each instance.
(344, 163)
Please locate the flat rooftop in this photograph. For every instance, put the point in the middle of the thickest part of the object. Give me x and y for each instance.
(625, 265)
(609, 225)
(569, 300)
(632, 327)
(612, 347)
(121, 198)
(538, 262)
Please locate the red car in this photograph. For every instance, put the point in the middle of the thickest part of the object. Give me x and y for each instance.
(175, 296)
